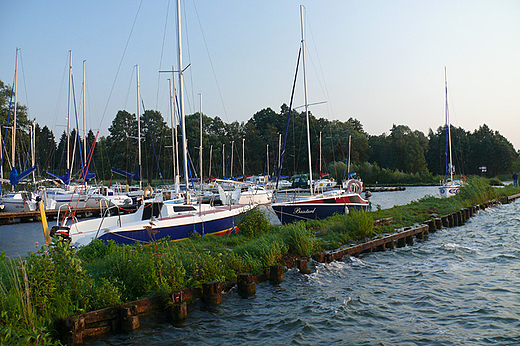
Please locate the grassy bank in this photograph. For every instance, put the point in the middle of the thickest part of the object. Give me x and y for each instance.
(58, 281)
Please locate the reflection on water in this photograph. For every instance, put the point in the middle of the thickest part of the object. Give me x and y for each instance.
(388, 199)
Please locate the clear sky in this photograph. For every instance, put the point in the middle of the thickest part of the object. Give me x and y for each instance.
(381, 62)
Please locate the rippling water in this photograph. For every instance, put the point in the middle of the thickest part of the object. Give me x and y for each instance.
(459, 287)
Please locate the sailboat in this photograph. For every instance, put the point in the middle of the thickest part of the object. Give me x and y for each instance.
(449, 187)
(17, 201)
(322, 205)
(157, 218)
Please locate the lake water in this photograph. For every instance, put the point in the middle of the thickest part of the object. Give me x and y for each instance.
(461, 286)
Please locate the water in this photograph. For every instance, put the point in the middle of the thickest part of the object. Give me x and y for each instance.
(388, 199)
(461, 286)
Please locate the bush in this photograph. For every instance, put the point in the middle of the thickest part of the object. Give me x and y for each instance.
(253, 223)
(299, 239)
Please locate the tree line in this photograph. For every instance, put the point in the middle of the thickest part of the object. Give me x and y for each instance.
(401, 149)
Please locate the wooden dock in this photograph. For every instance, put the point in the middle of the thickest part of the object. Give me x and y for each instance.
(33, 216)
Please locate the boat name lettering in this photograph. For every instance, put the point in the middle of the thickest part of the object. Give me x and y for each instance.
(304, 211)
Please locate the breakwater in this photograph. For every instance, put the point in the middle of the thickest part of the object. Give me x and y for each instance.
(126, 316)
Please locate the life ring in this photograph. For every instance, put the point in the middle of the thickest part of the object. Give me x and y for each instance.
(463, 178)
(354, 186)
(148, 192)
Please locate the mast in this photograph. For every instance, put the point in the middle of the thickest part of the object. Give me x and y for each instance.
(320, 155)
(223, 163)
(448, 123)
(231, 171)
(181, 100)
(267, 159)
(348, 164)
(243, 160)
(210, 156)
(139, 128)
(84, 121)
(200, 146)
(279, 150)
(13, 134)
(173, 129)
(302, 8)
(33, 147)
(68, 112)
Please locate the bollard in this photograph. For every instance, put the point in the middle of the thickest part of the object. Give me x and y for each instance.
(320, 257)
(438, 223)
(129, 318)
(276, 274)
(246, 285)
(179, 311)
(75, 328)
(431, 225)
(212, 292)
(302, 266)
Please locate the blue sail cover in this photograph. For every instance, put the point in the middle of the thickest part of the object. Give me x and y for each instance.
(64, 179)
(15, 178)
(134, 176)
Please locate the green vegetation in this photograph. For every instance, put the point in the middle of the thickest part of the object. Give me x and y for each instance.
(58, 281)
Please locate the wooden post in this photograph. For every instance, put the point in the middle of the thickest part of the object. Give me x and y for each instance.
(129, 318)
(409, 240)
(431, 225)
(401, 242)
(212, 292)
(179, 311)
(302, 266)
(246, 285)
(390, 245)
(320, 257)
(438, 223)
(75, 328)
(276, 274)
(450, 221)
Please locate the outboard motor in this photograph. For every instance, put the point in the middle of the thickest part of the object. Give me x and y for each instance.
(61, 232)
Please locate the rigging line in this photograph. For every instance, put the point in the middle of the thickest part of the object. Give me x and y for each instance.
(162, 54)
(24, 85)
(211, 64)
(187, 99)
(120, 63)
(326, 91)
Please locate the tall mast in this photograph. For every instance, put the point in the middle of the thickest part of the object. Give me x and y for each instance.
(279, 150)
(181, 100)
(200, 147)
(223, 162)
(68, 112)
(84, 121)
(139, 128)
(33, 148)
(348, 164)
(243, 159)
(173, 113)
(210, 157)
(448, 123)
(13, 134)
(231, 171)
(267, 159)
(302, 8)
(320, 155)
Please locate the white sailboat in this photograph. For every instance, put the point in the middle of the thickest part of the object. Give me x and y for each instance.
(449, 187)
(316, 206)
(157, 219)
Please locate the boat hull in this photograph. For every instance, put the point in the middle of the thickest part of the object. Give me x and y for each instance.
(320, 208)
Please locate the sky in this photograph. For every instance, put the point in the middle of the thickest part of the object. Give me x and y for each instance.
(381, 62)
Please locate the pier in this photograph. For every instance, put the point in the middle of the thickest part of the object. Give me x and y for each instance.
(35, 215)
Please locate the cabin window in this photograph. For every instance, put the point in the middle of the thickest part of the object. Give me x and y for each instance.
(151, 209)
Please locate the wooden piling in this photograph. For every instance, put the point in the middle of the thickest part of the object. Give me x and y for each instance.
(246, 285)
(276, 274)
(409, 240)
(129, 317)
(212, 292)
(438, 223)
(302, 266)
(179, 311)
(431, 225)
